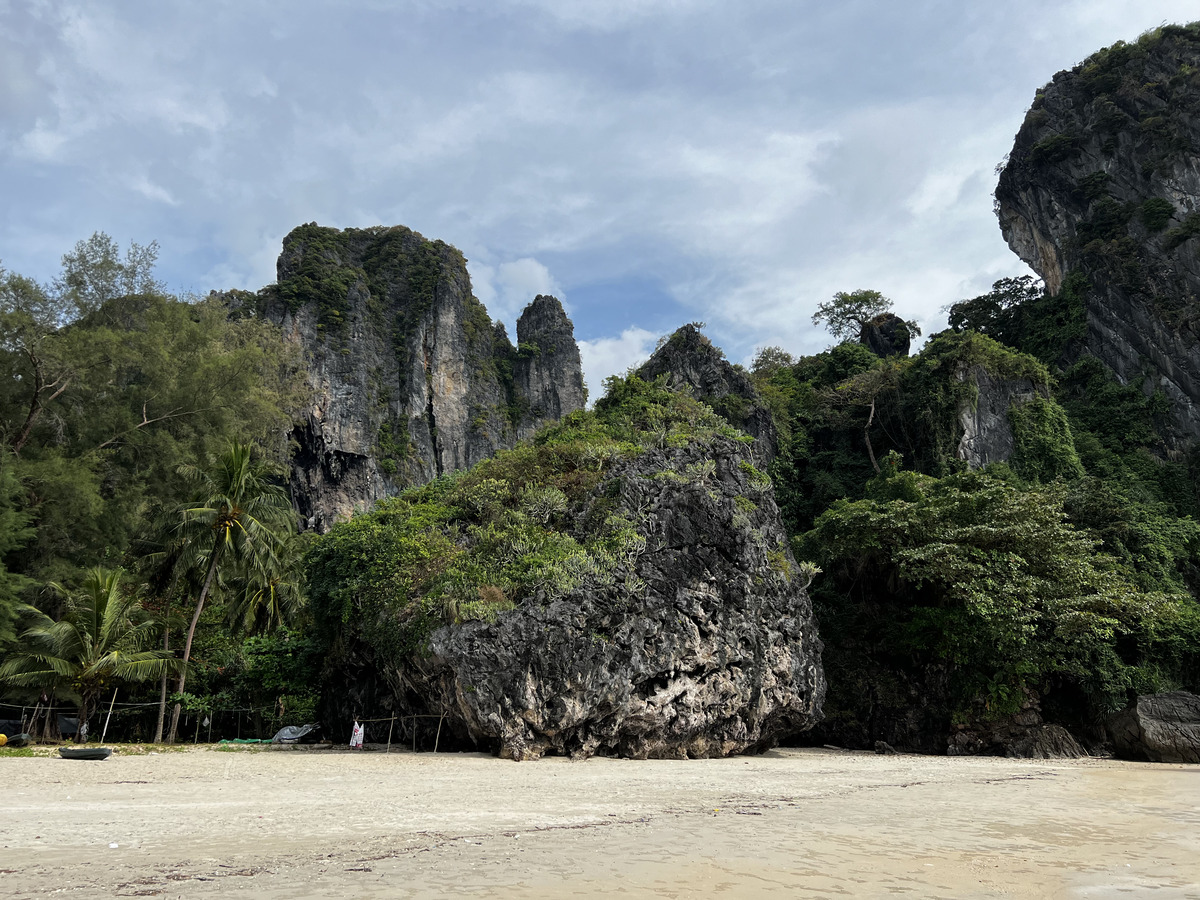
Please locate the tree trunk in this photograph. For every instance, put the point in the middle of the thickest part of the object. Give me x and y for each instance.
(867, 437)
(191, 632)
(84, 714)
(162, 694)
(36, 403)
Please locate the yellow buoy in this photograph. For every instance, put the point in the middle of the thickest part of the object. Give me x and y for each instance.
(3, 739)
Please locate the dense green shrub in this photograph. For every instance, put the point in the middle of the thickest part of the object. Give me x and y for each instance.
(1156, 213)
(988, 579)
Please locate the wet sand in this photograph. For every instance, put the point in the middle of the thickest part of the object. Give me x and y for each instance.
(790, 823)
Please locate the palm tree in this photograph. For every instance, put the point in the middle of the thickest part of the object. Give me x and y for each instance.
(102, 638)
(269, 594)
(238, 515)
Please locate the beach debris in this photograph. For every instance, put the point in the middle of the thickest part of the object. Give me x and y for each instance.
(291, 734)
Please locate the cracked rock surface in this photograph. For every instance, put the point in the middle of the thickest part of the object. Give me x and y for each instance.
(704, 647)
(410, 377)
(1103, 184)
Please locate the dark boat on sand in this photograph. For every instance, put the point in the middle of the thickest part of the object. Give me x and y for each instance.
(85, 752)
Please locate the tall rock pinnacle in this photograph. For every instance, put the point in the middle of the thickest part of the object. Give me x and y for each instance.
(410, 377)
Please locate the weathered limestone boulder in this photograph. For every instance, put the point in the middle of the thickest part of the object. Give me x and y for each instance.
(410, 378)
(886, 335)
(690, 362)
(1101, 196)
(705, 647)
(1159, 728)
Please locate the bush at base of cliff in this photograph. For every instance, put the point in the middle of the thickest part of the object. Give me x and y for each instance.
(984, 581)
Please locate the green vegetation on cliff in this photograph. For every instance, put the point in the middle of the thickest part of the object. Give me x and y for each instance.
(523, 525)
(1065, 573)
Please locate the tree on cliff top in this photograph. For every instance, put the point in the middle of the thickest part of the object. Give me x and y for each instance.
(847, 314)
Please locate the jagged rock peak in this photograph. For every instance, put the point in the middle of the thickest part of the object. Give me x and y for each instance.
(690, 361)
(1101, 196)
(548, 370)
(410, 377)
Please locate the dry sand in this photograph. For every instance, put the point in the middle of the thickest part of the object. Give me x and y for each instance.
(791, 823)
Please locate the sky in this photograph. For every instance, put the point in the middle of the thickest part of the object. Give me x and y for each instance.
(649, 162)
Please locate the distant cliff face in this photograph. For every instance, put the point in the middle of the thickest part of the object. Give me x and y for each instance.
(1101, 196)
(410, 377)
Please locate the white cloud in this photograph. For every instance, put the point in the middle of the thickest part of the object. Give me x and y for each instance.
(151, 191)
(749, 159)
(508, 288)
(609, 15)
(613, 356)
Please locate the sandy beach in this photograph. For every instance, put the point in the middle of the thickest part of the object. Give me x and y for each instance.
(798, 823)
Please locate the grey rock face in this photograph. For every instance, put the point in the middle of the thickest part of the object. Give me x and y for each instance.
(408, 371)
(547, 373)
(1022, 736)
(1159, 728)
(987, 434)
(691, 363)
(1104, 181)
(706, 646)
(886, 335)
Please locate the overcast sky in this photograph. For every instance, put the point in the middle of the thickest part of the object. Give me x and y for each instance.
(651, 162)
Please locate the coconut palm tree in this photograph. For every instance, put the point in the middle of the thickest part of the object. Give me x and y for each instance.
(269, 594)
(102, 638)
(238, 515)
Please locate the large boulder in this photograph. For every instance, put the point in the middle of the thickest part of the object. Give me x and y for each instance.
(706, 646)
(1023, 735)
(886, 335)
(1159, 728)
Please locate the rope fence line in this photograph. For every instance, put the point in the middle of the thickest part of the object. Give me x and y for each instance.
(37, 710)
(30, 713)
(412, 718)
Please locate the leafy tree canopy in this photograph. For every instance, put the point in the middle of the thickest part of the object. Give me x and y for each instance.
(848, 313)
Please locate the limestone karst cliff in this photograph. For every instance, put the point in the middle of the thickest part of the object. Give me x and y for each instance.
(410, 377)
(547, 373)
(1101, 196)
(621, 585)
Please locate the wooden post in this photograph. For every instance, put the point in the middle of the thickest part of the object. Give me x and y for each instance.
(390, 727)
(439, 733)
(108, 718)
